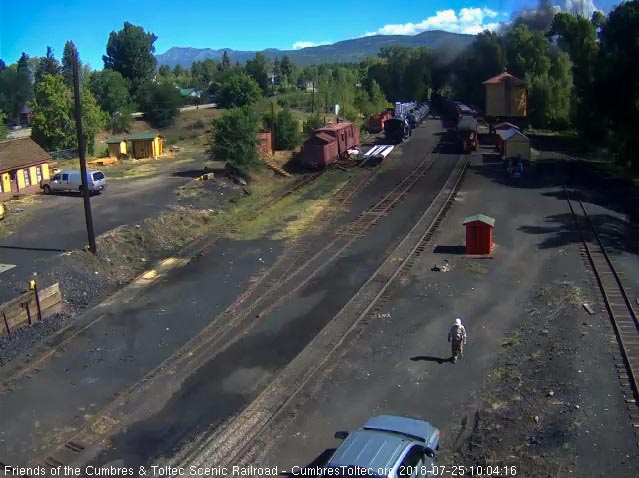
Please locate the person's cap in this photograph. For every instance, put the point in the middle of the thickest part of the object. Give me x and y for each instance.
(457, 321)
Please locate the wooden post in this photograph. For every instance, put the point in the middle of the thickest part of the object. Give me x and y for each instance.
(82, 153)
(273, 127)
(37, 298)
(26, 305)
(6, 323)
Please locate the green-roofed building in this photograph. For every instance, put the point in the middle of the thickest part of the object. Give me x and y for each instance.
(146, 145)
(116, 147)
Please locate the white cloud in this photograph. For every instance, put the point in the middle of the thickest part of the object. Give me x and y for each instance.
(466, 20)
(581, 7)
(307, 44)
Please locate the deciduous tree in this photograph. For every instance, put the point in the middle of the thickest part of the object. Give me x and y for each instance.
(93, 118)
(130, 52)
(110, 91)
(3, 127)
(234, 140)
(160, 103)
(237, 90)
(257, 68)
(164, 71)
(53, 124)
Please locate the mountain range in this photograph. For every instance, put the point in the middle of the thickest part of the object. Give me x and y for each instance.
(344, 51)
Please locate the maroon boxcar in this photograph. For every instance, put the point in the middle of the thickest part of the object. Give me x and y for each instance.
(329, 143)
(376, 122)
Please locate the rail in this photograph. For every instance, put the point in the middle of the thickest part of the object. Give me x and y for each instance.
(235, 437)
(619, 306)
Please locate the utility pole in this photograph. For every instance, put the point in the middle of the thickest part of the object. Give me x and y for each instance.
(273, 127)
(81, 151)
(313, 98)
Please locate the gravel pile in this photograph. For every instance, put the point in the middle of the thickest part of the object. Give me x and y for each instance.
(23, 339)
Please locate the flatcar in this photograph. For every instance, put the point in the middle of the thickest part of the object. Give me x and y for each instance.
(329, 143)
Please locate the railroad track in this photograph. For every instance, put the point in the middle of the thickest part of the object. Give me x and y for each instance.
(619, 306)
(267, 294)
(234, 438)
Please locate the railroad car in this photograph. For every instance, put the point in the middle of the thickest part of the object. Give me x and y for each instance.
(329, 143)
(460, 121)
(376, 122)
(396, 130)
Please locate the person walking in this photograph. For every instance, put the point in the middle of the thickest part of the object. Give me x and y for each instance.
(457, 339)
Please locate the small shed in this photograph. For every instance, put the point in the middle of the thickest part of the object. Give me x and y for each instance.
(479, 234)
(506, 125)
(116, 147)
(146, 145)
(26, 115)
(512, 143)
(264, 144)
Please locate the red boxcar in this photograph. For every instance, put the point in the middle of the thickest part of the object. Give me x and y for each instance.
(376, 122)
(329, 143)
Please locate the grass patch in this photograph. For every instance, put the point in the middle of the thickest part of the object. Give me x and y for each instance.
(290, 217)
(618, 170)
(475, 267)
(193, 190)
(498, 405)
(498, 373)
(17, 213)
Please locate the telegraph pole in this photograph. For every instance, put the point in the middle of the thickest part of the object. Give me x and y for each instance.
(81, 151)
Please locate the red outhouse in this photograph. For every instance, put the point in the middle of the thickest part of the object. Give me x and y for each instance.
(479, 234)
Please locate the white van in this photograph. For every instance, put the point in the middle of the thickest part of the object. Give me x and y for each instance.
(72, 181)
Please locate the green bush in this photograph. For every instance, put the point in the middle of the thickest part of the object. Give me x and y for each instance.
(313, 122)
(237, 90)
(295, 99)
(287, 135)
(160, 103)
(234, 140)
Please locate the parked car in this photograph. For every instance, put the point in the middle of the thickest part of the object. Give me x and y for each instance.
(72, 181)
(387, 446)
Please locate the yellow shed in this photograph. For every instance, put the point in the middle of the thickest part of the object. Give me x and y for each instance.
(116, 147)
(146, 145)
(505, 96)
(513, 143)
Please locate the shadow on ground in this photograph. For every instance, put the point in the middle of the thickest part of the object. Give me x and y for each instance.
(428, 358)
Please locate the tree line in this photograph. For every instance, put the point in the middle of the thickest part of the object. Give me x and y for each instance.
(581, 73)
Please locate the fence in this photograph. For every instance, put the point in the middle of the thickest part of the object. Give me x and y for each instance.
(64, 154)
(29, 307)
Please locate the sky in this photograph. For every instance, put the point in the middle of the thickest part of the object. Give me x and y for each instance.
(33, 25)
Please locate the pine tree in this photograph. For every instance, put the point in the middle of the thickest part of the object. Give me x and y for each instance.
(226, 60)
(67, 62)
(47, 65)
